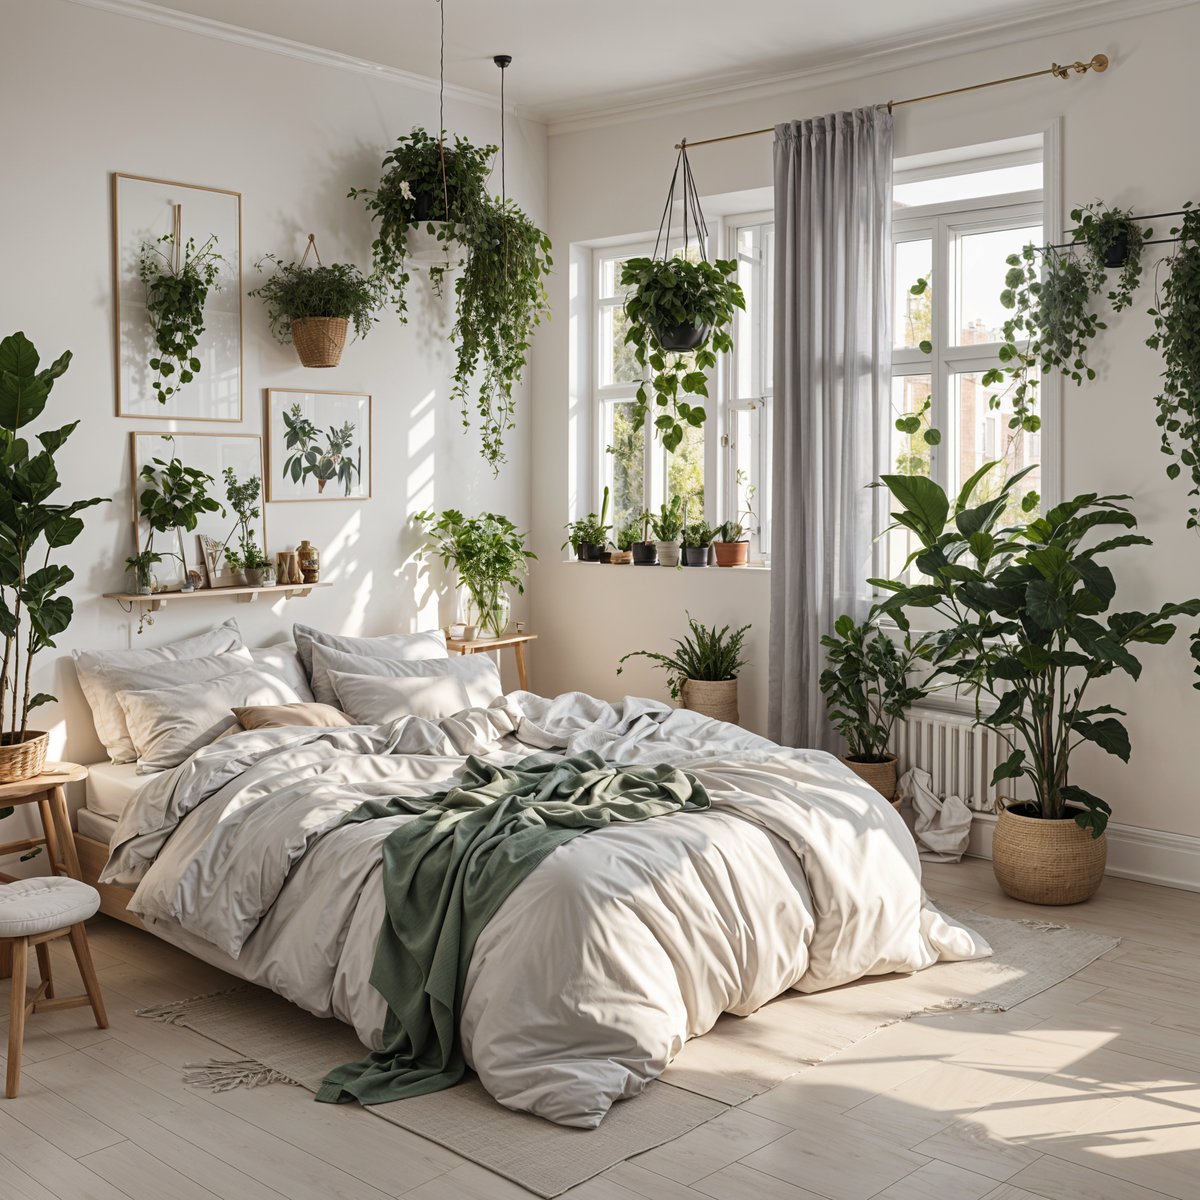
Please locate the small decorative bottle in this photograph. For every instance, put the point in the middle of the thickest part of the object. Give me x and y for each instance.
(309, 559)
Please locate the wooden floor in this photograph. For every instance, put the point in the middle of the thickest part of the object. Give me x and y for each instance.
(1090, 1091)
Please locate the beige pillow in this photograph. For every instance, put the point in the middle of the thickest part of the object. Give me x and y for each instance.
(405, 647)
(169, 724)
(430, 689)
(279, 716)
(104, 673)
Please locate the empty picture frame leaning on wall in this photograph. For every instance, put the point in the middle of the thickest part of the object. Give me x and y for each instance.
(318, 445)
(143, 211)
(211, 453)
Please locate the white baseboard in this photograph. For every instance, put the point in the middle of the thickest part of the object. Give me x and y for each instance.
(1148, 855)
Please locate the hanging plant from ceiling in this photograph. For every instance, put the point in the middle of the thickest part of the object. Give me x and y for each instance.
(679, 313)
(1053, 292)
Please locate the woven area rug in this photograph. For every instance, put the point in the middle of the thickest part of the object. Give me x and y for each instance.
(741, 1057)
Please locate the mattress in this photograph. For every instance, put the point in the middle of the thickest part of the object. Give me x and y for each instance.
(96, 826)
(110, 787)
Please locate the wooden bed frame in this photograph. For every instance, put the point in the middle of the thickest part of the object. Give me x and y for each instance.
(114, 901)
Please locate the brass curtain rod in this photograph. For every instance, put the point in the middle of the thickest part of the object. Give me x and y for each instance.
(1098, 62)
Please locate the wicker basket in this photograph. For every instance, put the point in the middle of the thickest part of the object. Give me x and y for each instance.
(23, 759)
(320, 340)
(880, 775)
(716, 698)
(1047, 862)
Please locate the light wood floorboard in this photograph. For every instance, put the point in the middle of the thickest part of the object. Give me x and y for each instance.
(1090, 1091)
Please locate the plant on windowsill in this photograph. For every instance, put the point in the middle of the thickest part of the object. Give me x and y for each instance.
(489, 555)
(627, 537)
(668, 529)
(697, 537)
(313, 307)
(33, 610)
(732, 545)
(867, 689)
(177, 288)
(645, 553)
(588, 536)
(1027, 625)
(703, 670)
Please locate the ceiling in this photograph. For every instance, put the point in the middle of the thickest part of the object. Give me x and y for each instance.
(576, 56)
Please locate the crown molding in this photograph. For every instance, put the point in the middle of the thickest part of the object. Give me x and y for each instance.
(222, 31)
(874, 58)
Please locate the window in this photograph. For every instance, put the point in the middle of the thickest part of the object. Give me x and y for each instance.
(955, 229)
(722, 470)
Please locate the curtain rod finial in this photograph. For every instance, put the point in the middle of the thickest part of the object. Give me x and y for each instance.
(1099, 62)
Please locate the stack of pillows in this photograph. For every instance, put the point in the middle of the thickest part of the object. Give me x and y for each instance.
(156, 707)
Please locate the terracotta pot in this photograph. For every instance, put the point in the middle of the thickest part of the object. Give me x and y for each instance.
(880, 775)
(732, 554)
(1046, 861)
(716, 698)
(668, 553)
(319, 341)
(22, 757)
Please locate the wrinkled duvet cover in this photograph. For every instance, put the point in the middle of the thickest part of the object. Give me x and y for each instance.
(617, 949)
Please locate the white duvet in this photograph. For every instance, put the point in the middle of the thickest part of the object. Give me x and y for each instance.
(618, 948)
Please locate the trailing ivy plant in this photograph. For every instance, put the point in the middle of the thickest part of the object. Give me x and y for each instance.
(1177, 335)
(175, 299)
(669, 293)
(296, 292)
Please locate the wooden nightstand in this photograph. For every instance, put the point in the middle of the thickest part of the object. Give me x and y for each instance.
(481, 645)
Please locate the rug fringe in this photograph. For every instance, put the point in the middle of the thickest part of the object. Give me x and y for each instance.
(223, 1075)
(1042, 926)
(173, 1012)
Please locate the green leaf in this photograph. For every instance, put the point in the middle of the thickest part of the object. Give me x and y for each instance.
(1010, 768)
(924, 500)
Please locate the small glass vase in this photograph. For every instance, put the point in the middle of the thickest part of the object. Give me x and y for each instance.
(489, 612)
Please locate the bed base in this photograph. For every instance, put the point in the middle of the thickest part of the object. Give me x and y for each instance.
(114, 901)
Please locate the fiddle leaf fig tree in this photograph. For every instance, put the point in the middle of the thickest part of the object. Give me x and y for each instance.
(1026, 624)
(33, 609)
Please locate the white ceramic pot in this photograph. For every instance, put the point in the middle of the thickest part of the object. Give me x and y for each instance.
(668, 554)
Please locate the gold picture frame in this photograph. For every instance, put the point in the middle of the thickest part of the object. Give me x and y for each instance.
(324, 408)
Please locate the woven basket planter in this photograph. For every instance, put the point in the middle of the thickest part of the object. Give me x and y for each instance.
(1047, 862)
(732, 554)
(880, 775)
(320, 340)
(716, 698)
(23, 759)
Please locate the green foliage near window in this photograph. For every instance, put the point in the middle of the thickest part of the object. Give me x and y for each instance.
(706, 653)
(1053, 293)
(627, 535)
(668, 293)
(324, 460)
(488, 553)
(627, 452)
(591, 530)
(33, 610)
(295, 292)
(668, 524)
(174, 498)
(866, 684)
(175, 299)
(1177, 335)
(1026, 623)
(698, 533)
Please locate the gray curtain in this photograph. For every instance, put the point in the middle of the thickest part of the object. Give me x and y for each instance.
(833, 206)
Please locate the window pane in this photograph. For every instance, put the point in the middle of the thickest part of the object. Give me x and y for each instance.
(685, 472)
(769, 309)
(617, 361)
(981, 271)
(911, 314)
(983, 436)
(610, 276)
(749, 462)
(909, 454)
(625, 444)
(997, 182)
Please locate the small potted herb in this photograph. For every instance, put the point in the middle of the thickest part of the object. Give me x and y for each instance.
(697, 537)
(668, 528)
(589, 535)
(645, 554)
(626, 538)
(312, 307)
(141, 567)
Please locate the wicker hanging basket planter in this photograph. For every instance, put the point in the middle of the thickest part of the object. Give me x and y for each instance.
(880, 775)
(1046, 861)
(319, 341)
(24, 757)
(716, 698)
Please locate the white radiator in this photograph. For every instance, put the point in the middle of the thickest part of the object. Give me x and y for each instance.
(958, 754)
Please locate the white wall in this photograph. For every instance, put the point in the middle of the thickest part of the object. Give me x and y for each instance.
(1128, 137)
(85, 93)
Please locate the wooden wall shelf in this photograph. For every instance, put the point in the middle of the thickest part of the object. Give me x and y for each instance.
(243, 595)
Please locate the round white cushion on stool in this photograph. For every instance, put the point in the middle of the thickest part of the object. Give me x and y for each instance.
(32, 906)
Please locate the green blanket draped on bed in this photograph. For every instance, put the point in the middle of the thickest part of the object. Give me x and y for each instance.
(447, 872)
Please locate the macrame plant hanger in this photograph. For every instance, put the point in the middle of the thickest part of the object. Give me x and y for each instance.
(312, 245)
(690, 196)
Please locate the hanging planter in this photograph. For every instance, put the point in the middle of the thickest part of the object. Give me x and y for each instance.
(312, 307)
(679, 315)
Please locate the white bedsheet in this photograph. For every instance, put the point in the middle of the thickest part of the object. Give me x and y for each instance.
(618, 948)
(110, 786)
(96, 826)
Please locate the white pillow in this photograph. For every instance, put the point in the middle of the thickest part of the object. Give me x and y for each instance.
(283, 660)
(396, 646)
(94, 667)
(434, 690)
(168, 724)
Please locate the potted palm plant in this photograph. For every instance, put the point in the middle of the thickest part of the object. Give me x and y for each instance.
(702, 671)
(488, 553)
(313, 307)
(33, 609)
(697, 537)
(1028, 628)
(867, 689)
(668, 529)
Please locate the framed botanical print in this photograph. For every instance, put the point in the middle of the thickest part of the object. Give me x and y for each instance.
(234, 463)
(177, 285)
(318, 445)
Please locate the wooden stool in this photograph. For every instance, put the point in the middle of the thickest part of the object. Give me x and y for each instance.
(34, 912)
